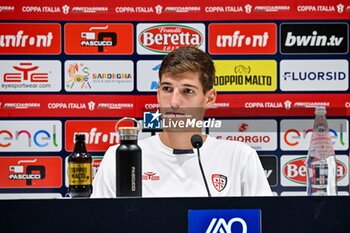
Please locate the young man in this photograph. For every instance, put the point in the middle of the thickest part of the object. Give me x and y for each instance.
(231, 168)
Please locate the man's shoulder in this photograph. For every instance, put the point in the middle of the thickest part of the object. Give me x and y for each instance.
(230, 144)
(147, 139)
(150, 141)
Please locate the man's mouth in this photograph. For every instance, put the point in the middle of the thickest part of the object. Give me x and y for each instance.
(175, 114)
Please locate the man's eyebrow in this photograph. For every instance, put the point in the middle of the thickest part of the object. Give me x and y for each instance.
(190, 85)
(165, 83)
(184, 85)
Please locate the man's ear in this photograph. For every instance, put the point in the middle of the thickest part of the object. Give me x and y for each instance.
(158, 90)
(210, 98)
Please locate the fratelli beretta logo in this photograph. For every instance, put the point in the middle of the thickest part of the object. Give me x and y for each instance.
(224, 221)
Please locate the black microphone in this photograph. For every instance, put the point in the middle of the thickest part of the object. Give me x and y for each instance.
(197, 142)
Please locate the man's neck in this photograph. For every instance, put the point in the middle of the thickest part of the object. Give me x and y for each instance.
(178, 140)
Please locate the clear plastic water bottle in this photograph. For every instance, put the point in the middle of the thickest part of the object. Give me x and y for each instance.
(321, 162)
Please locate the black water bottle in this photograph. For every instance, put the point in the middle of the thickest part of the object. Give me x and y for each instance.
(128, 164)
(80, 169)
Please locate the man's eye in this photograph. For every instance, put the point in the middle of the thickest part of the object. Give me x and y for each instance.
(166, 88)
(189, 91)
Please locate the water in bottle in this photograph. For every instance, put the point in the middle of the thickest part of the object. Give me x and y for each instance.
(321, 161)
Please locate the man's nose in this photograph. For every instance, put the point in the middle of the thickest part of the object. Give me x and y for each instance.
(175, 100)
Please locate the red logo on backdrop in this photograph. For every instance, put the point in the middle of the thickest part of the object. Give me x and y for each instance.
(28, 38)
(219, 181)
(295, 170)
(165, 38)
(26, 72)
(70, 105)
(96, 161)
(243, 127)
(242, 38)
(31, 172)
(99, 135)
(98, 39)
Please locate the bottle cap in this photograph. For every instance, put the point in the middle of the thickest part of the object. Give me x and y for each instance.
(80, 137)
(128, 131)
(320, 110)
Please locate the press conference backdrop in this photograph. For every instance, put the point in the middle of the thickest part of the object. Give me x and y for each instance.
(78, 67)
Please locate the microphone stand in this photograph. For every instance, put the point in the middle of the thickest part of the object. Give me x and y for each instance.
(197, 142)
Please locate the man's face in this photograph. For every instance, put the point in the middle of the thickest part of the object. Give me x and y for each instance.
(181, 96)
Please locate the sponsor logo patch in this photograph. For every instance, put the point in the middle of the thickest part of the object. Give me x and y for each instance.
(313, 38)
(30, 38)
(98, 39)
(31, 172)
(30, 76)
(242, 38)
(164, 38)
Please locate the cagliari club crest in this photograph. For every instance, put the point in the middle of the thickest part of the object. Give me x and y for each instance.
(219, 181)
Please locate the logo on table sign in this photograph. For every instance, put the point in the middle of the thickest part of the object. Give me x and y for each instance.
(224, 221)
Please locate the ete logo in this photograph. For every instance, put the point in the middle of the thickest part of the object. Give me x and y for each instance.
(24, 74)
(98, 39)
(151, 120)
(219, 181)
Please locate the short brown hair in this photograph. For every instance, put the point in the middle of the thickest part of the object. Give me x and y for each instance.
(190, 59)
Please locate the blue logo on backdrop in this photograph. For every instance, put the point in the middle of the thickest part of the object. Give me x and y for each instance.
(154, 84)
(224, 221)
(151, 120)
